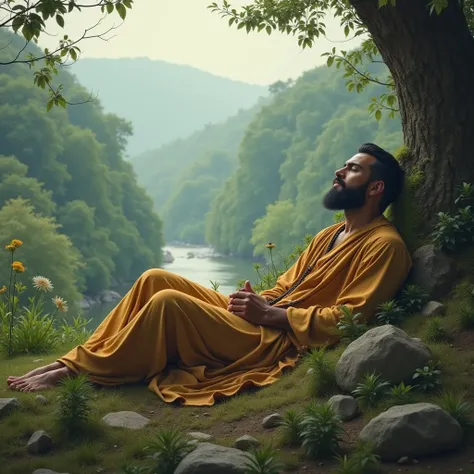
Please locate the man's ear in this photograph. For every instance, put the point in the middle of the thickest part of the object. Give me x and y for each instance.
(376, 188)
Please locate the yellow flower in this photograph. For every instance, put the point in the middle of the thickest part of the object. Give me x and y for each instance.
(10, 247)
(60, 304)
(18, 267)
(270, 246)
(17, 243)
(42, 284)
(3, 289)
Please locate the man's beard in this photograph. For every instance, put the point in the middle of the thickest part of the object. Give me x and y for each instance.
(344, 198)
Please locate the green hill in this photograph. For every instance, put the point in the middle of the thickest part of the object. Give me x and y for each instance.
(163, 101)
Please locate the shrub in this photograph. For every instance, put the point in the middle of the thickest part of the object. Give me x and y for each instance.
(371, 390)
(390, 313)
(361, 461)
(466, 316)
(412, 298)
(401, 394)
(262, 461)
(323, 376)
(458, 408)
(428, 378)
(435, 330)
(290, 427)
(321, 431)
(169, 448)
(349, 328)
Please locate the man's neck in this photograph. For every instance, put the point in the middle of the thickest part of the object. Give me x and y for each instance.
(357, 219)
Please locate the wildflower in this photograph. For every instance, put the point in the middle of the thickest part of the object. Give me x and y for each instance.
(10, 247)
(16, 243)
(18, 267)
(61, 304)
(3, 289)
(42, 283)
(270, 246)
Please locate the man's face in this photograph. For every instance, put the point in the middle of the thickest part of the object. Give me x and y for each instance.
(349, 190)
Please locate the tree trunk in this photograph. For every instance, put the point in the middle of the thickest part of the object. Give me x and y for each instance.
(431, 58)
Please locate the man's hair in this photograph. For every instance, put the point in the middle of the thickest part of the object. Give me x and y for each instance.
(386, 169)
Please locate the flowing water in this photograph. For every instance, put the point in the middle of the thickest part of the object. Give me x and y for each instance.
(199, 264)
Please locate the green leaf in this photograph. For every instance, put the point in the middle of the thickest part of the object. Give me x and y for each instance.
(378, 114)
(110, 7)
(121, 10)
(27, 32)
(330, 61)
(269, 29)
(62, 102)
(18, 23)
(50, 104)
(60, 21)
(73, 54)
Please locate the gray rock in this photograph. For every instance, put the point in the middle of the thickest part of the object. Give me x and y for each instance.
(246, 442)
(125, 419)
(272, 421)
(433, 270)
(198, 436)
(385, 350)
(433, 308)
(47, 471)
(345, 406)
(413, 430)
(41, 399)
(7, 405)
(209, 458)
(167, 257)
(40, 443)
(108, 296)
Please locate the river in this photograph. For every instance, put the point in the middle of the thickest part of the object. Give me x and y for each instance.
(202, 267)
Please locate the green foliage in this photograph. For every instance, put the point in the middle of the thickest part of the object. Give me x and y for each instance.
(401, 394)
(390, 313)
(168, 449)
(427, 378)
(361, 461)
(371, 390)
(31, 21)
(290, 427)
(321, 431)
(323, 375)
(458, 408)
(75, 405)
(452, 232)
(413, 298)
(349, 328)
(466, 316)
(435, 330)
(263, 461)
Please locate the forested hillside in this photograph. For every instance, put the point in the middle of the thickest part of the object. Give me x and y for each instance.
(184, 176)
(163, 101)
(66, 190)
(286, 163)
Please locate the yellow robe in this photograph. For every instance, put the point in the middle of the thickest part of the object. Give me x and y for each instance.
(179, 337)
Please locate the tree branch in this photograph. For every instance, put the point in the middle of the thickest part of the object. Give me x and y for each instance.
(368, 78)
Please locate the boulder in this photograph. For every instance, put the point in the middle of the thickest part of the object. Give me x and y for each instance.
(419, 429)
(386, 350)
(7, 405)
(125, 419)
(433, 270)
(167, 257)
(345, 406)
(199, 436)
(209, 458)
(433, 308)
(40, 443)
(246, 442)
(108, 296)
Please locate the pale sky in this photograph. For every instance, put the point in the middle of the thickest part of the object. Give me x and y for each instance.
(186, 32)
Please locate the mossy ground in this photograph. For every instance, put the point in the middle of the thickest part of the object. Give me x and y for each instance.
(106, 449)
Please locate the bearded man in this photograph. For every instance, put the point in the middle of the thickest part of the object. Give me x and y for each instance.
(193, 345)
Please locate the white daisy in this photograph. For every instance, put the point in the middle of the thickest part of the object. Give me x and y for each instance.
(60, 304)
(42, 283)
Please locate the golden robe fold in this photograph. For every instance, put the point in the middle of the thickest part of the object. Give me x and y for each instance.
(178, 336)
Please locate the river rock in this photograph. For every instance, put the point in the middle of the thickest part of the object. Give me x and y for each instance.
(197, 435)
(414, 430)
(272, 421)
(125, 419)
(167, 257)
(40, 443)
(246, 442)
(386, 350)
(209, 458)
(433, 308)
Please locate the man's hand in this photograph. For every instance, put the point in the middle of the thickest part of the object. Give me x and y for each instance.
(248, 305)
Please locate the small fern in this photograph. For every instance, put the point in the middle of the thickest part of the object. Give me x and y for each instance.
(371, 390)
(263, 461)
(291, 426)
(323, 372)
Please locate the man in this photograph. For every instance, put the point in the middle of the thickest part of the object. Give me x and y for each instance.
(194, 345)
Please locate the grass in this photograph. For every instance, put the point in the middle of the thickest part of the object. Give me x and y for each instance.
(107, 450)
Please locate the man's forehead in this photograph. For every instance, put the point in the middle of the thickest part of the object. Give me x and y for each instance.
(362, 159)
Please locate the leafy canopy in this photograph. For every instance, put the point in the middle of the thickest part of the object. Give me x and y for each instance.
(30, 19)
(305, 20)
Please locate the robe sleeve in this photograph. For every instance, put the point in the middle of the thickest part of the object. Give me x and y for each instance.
(285, 280)
(381, 273)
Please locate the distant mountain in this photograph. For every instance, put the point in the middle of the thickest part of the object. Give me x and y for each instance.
(163, 101)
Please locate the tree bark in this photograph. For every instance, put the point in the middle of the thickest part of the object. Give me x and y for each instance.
(431, 58)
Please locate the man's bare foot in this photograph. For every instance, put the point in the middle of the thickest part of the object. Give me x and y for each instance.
(12, 381)
(42, 381)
